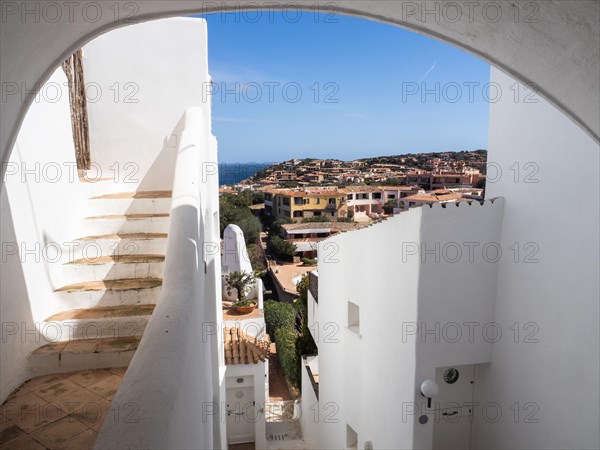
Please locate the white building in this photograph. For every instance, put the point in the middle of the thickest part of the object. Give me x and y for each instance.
(483, 299)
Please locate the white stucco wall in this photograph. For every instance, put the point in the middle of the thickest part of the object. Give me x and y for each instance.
(401, 286)
(41, 211)
(353, 388)
(457, 292)
(140, 79)
(558, 294)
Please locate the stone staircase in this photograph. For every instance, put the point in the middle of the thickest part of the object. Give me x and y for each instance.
(114, 280)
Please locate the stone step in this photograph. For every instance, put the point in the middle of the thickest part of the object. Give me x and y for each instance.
(101, 322)
(100, 245)
(113, 267)
(129, 291)
(80, 354)
(128, 223)
(137, 194)
(144, 202)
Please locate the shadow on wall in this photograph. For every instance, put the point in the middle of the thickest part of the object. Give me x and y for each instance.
(159, 175)
(15, 310)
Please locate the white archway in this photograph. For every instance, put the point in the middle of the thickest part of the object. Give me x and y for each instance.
(552, 45)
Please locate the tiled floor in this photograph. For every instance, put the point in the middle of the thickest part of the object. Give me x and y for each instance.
(62, 411)
(231, 314)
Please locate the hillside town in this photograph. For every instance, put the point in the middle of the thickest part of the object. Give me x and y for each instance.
(286, 209)
(428, 170)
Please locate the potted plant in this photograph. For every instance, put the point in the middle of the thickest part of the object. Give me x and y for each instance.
(240, 281)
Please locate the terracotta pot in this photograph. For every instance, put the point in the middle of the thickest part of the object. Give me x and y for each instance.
(245, 309)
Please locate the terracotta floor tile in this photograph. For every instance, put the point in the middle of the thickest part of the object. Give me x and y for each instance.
(77, 399)
(30, 412)
(39, 382)
(21, 402)
(82, 441)
(58, 432)
(50, 392)
(9, 431)
(24, 442)
(119, 371)
(86, 377)
(92, 414)
(106, 387)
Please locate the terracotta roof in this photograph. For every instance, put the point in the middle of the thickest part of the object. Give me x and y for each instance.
(240, 348)
(335, 226)
(307, 192)
(432, 198)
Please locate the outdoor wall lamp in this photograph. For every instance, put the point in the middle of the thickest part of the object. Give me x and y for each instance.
(429, 388)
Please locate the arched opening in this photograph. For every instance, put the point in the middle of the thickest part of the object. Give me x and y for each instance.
(506, 307)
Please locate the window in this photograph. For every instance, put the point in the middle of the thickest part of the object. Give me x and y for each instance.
(317, 213)
(377, 195)
(298, 201)
(354, 317)
(350, 196)
(391, 196)
(298, 214)
(318, 201)
(286, 201)
(332, 201)
(364, 196)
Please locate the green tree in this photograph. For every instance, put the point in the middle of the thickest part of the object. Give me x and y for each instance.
(277, 315)
(285, 340)
(234, 208)
(240, 281)
(282, 248)
(389, 206)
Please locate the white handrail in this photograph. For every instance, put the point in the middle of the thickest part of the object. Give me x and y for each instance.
(164, 398)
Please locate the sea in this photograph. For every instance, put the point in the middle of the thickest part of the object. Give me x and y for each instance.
(233, 173)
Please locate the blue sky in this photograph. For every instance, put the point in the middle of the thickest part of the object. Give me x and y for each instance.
(339, 87)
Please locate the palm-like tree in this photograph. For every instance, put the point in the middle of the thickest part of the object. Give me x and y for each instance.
(240, 282)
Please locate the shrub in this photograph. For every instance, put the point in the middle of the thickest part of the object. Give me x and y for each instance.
(278, 315)
(309, 261)
(285, 340)
(282, 248)
(316, 219)
(389, 206)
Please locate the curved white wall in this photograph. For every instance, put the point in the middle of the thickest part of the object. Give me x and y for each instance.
(41, 213)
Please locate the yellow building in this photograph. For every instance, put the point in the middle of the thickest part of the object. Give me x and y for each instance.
(299, 204)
